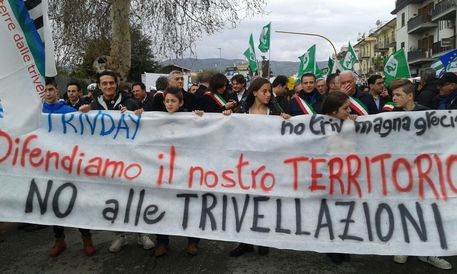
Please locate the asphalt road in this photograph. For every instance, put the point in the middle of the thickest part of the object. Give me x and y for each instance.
(27, 252)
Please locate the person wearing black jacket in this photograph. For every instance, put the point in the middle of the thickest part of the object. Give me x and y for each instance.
(217, 99)
(279, 93)
(143, 98)
(403, 97)
(363, 100)
(239, 88)
(309, 94)
(175, 80)
(173, 101)
(428, 87)
(378, 92)
(74, 96)
(111, 98)
(447, 97)
(258, 101)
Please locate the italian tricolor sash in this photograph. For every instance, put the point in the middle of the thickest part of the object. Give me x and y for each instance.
(358, 106)
(159, 92)
(304, 106)
(216, 97)
(389, 106)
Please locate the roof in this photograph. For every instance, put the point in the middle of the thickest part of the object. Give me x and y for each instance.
(169, 68)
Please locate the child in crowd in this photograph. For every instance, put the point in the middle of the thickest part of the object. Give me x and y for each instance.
(173, 101)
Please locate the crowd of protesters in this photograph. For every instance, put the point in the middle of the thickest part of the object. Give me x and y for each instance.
(338, 96)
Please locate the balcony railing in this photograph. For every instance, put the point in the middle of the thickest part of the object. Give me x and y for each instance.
(438, 48)
(364, 56)
(420, 21)
(443, 7)
(385, 45)
(418, 54)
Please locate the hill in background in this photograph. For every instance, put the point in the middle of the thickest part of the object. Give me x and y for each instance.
(278, 67)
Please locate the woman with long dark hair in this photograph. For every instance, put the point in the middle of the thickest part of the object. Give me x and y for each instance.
(217, 99)
(258, 101)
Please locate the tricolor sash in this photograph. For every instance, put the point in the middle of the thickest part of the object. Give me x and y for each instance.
(304, 106)
(217, 98)
(358, 106)
(159, 92)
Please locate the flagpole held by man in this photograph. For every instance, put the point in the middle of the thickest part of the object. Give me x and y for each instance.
(264, 43)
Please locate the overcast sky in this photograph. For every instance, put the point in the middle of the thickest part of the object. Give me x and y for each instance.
(339, 20)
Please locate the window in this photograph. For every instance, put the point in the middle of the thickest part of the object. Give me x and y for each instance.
(403, 19)
(402, 45)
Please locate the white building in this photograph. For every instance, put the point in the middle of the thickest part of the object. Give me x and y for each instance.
(374, 48)
(426, 29)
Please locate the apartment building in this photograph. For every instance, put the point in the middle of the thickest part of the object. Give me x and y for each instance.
(425, 29)
(375, 47)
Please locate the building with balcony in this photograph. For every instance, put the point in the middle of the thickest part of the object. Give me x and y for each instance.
(426, 29)
(374, 48)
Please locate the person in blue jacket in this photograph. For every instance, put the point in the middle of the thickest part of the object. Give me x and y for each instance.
(52, 104)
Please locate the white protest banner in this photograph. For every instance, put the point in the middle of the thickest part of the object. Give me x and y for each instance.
(21, 70)
(384, 184)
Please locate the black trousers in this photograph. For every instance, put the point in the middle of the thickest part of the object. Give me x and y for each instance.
(58, 232)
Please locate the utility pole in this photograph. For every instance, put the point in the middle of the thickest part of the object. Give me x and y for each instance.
(220, 59)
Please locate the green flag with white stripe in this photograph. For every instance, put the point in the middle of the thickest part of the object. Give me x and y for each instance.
(396, 67)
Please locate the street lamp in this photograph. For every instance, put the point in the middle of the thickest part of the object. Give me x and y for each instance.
(220, 58)
(311, 34)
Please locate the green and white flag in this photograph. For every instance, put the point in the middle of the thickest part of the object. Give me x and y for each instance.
(330, 66)
(396, 67)
(319, 73)
(250, 55)
(307, 62)
(350, 59)
(438, 66)
(264, 39)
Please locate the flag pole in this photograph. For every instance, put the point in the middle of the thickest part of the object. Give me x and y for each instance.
(269, 52)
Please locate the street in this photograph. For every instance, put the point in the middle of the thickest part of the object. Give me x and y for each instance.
(27, 252)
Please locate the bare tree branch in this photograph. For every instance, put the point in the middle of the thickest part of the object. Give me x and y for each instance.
(174, 25)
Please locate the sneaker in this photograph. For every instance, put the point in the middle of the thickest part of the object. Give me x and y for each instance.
(400, 259)
(118, 243)
(436, 262)
(145, 241)
(192, 249)
(161, 250)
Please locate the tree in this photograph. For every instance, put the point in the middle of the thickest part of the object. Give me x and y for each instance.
(97, 49)
(142, 57)
(174, 24)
